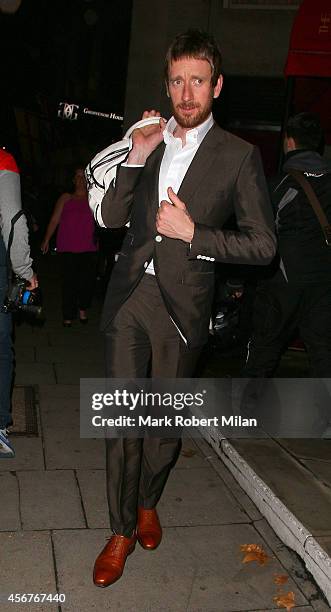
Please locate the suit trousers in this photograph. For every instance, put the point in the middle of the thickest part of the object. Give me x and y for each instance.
(142, 341)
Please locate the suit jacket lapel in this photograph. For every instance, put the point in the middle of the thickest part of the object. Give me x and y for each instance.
(154, 164)
(200, 165)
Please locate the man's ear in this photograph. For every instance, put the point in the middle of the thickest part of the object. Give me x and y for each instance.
(218, 86)
(167, 88)
(290, 143)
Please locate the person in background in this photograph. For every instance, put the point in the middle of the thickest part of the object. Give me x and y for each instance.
(21, 263)
(296, 295)
(77, 246)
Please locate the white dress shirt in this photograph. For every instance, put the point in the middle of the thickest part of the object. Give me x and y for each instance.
(177, 159)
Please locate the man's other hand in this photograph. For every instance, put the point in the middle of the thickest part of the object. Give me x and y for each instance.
(173, 220)
(146, 139)
(32, 283)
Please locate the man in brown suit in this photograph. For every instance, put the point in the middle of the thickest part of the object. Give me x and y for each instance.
(181, 181)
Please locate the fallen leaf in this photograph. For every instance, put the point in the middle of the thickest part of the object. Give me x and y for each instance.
(280, 578)
(285, 601)
(254, 552)
(189, 452)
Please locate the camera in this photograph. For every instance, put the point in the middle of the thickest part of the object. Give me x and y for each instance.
(21, 299)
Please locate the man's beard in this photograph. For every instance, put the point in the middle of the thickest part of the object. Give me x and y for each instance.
(192, 121)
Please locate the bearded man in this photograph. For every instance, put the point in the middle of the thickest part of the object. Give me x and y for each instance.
(180, 183)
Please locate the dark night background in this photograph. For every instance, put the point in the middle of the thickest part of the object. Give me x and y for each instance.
(76, 51)
(72, 51)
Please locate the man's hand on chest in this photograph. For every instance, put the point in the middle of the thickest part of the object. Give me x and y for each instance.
(173, 220)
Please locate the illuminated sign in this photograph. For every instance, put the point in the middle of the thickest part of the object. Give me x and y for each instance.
(67, 110)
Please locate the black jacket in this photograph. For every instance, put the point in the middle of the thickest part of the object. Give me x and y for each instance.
(305, 255)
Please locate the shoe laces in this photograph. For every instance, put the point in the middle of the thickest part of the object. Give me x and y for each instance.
(116, 545)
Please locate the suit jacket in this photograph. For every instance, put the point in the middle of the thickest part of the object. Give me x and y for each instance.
(224, 177)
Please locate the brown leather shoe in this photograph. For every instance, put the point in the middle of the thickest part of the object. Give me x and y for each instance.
(109, 565)
(149, 530)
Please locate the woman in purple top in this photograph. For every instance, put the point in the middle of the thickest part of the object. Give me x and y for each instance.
(77, 246)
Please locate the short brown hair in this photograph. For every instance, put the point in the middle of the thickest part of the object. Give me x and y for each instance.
(196, 44)
(306, 130)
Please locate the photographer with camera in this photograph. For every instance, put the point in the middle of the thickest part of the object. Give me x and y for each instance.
(21, 263)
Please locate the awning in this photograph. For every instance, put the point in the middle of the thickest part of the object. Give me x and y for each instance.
(310, 43)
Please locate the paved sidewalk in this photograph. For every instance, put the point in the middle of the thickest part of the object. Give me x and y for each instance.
(53, 511)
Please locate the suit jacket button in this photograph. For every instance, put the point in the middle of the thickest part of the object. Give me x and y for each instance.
(158, 238)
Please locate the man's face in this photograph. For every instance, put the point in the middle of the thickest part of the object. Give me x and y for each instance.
(191, 91)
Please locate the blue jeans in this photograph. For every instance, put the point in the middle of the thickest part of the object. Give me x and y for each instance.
(6, 347)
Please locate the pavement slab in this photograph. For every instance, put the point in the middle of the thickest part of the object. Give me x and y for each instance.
(71, 375)
(28, 454)
(50, 500)
(9, 505)
(308, 448)
(50, 392)
(79, 336)
(320, 468)
(23, 334)
(71, 355)
(28, 373)
(60, 414)
(92, 484)
(63, 452)
(40, 334)
(25, 353)
(60, 417)
(34, 335)
(198, 497)
(28, 568)
(195, 568)
(191, 456)
(233, 487)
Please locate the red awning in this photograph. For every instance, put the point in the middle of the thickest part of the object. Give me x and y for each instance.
(310, 43)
